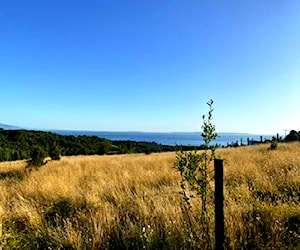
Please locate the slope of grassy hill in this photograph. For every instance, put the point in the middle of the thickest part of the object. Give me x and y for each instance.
(133, 202)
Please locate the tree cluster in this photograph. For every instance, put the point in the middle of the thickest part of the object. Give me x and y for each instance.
(293, 136)
(20, 144)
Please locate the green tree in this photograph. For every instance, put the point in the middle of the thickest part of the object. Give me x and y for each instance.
(37, 155)
(55, 151)
(7, 155)
(292, 136)
(105, 147)
(1, 154)
(16, 156)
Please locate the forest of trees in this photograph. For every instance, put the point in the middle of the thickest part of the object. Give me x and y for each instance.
(19, 144)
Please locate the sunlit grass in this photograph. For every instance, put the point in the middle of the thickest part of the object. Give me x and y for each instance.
(133, 201)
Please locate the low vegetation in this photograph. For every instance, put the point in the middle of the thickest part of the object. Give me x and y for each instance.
(134, 202)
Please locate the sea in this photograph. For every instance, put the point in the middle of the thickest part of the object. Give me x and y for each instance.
(173, 138)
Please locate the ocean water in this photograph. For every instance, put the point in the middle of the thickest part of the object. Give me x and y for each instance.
(186, 138)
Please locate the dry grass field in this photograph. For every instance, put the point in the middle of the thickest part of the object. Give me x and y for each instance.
(133, 202)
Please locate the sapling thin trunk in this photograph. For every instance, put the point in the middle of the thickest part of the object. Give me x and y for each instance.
(195, 175)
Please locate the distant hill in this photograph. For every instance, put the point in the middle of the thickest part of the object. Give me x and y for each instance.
(6, 126)
(16, 144)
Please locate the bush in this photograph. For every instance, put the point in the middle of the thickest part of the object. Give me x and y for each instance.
(274, 144)
(37, 157)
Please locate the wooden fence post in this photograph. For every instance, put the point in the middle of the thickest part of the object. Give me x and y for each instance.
(219, 205)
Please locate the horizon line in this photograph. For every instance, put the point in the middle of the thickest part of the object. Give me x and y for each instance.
(131, 131)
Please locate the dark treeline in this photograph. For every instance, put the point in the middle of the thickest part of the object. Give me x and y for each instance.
(18, 145)
(293, 136)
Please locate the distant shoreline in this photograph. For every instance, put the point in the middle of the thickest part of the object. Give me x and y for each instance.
(167, 138)
(164, 138)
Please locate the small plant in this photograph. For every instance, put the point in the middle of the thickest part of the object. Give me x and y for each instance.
(274, 144)
(195, 174)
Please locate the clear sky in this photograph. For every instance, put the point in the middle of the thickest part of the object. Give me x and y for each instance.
(147, 65)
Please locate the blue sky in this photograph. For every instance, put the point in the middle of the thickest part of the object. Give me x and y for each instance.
(150, 65)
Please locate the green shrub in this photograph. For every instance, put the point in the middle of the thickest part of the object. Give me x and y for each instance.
(37, 157)
(274, 144)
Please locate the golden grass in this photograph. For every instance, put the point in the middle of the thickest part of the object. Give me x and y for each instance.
(82, 201)
(11, 165)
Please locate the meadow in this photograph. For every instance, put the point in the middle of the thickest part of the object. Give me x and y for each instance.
(133, 202)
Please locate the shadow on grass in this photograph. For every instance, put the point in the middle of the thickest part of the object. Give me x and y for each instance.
(13, 174)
